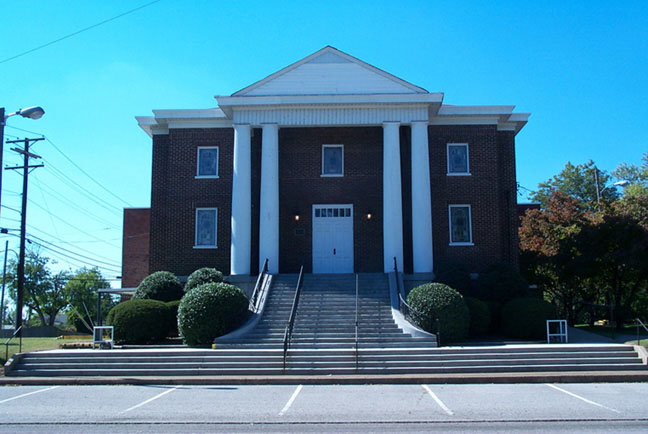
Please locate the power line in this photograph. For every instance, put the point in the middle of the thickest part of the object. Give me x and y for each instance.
(86, 173)
(78, 31)
(71, 252)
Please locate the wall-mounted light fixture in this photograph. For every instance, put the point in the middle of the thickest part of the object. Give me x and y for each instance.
(369, 216)
(296, 217)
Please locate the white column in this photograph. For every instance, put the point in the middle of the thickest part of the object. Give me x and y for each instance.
(421, 200)
(269, 206)
(240, 246)
(392, 198)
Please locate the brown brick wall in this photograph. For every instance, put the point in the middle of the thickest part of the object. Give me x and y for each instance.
(490, 190)
(135, 246)
(301, 186)
(175, 195)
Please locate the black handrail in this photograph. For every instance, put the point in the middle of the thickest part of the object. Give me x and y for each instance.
(257, 286)
(291, 319)
(413, 315)
(6, 344)
(356, 324)
(640, 323)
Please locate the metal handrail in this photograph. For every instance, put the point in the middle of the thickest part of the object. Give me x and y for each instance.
(356, 324)
(407, 310)
(640, 323)
(257, 286)
(291, 319)
(6, 344)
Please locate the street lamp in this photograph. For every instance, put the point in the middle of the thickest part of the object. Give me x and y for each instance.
(599, 190)
(34, 112)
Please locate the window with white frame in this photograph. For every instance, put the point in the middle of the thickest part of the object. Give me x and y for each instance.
(460, 225)
(332, 160)
(458, 161)
(207, 162)
(206, 225)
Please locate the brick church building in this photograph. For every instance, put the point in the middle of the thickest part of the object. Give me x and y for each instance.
(336, 165)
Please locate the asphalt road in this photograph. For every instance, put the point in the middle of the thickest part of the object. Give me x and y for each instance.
(612, 407)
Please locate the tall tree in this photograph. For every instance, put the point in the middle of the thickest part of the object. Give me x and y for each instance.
(43, 292)
(544, 258)
(637, 176)
(81, 291)
(579, 182)
(613, 252)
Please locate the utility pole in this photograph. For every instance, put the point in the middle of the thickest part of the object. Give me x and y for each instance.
(4, 274)
(598, 186)
(20, 299)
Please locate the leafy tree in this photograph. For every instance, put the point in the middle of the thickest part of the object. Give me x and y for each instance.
(83, 288)
(636, 175)
(579, 182)
(43, 292)
(613, 252)
(544, 259)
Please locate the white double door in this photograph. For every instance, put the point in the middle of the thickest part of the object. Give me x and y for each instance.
(332, 238)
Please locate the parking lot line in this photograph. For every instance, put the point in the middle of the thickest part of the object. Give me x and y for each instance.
(159, 395)
(291, 400)
(438, 401)
(581, 398)
(27, 394)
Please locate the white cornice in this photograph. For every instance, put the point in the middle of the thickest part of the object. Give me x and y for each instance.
(500, 115)
(186, 118)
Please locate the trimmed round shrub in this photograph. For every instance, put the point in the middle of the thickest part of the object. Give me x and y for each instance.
(172, 317)
(501, 282)
(525, 318)
(161, 285)
(202, 276)
(480, 316)
(210, 310)
(139, 321)
(438, 301)
(456, 275)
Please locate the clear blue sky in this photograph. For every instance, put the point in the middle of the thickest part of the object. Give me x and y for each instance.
(579, 67)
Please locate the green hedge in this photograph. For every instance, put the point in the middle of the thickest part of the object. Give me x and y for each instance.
(202, 276)
(525, 318)
(501, 282)
(436, 300)
(210, 310)
(139, 321)
(456, 275)
(480, 317)
(161, 285)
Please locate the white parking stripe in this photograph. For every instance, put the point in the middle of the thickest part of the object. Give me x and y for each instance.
(291, 400)
(27, 394)
(582, 399)
(159, 395)
(438, 401)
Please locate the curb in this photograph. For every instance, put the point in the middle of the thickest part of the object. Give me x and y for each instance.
(505, 378)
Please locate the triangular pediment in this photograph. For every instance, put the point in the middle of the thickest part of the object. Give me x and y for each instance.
(330, 72)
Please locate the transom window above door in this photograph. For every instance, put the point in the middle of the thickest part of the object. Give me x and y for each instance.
(335, 211)
(332, 160)
(207, 162)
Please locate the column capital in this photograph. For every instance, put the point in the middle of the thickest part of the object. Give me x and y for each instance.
(420, 122)
(391, 123)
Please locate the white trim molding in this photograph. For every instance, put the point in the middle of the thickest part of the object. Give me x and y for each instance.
(470, 231)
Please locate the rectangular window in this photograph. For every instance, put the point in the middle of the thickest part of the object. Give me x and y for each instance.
(458, 162)
(332, 160)
(206, 220)
(460, 225)
(207, 162)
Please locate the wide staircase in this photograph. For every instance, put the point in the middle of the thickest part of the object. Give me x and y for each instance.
(325, 340)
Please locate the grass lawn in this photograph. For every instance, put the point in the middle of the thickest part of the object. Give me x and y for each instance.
(612, 332)
(33, 344)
